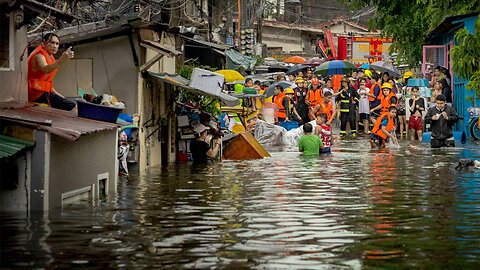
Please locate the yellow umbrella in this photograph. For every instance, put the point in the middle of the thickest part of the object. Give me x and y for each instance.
(231, 75)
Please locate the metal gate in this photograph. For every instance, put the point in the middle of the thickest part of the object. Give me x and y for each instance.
(434, 55)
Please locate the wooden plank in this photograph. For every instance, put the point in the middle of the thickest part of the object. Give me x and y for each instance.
(150, 62)
(244, 146)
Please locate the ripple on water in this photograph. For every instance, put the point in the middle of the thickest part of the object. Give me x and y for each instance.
(354, 209)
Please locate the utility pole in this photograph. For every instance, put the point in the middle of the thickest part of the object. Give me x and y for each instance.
(210, 18)
(229, 22)
(279, 2)
(239, 20)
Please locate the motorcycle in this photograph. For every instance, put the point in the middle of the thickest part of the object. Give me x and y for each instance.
(474, 123)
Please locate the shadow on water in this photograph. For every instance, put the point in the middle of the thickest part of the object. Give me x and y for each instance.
(357, 208)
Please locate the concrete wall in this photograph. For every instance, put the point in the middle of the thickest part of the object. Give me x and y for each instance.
(18, 200)
(76, 165)
(114, 70)
(152, 99)
(14, 82)
(290, 40)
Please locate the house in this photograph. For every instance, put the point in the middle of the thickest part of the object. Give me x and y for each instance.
(110, 58)
(45, 154)
(437, 52)
(14, 15)
(295, 38)
(282, 37)
(51, 158)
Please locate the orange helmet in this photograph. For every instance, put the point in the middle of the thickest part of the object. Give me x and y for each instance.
(315, 81)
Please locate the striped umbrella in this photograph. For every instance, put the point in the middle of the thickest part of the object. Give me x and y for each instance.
(335, 67)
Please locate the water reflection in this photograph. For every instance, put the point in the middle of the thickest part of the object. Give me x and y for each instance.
(353, 209)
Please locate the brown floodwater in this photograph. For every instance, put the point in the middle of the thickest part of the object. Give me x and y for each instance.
(354, 209)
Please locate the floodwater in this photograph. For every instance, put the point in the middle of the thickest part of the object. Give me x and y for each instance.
(355, 209)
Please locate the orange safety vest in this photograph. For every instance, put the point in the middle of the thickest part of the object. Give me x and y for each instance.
(278, 100)
(377, 130)
(337, 82)
(372, 91)
(385, 101)
(327, 109)
(39, 82)
(315, 96)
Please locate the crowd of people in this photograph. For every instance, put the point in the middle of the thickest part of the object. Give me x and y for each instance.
(363, 103)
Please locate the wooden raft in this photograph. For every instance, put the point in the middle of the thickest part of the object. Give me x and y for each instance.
(244, 146)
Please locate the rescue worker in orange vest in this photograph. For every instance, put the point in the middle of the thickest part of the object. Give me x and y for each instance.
(314, 95)
(42, 68)
(384, 128)
(375, 96)
(327, 107)
(387, 99)
(282, 103)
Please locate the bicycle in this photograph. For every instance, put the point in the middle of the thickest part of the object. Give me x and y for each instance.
(474, 122)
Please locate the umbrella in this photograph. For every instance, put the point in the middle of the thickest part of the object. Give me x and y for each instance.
(295, 60)
(270, 89)
(385, 67)
(364, 66)
(418, 82)
(231, 75)
(335, 67)
(295, 69)
(315, 61)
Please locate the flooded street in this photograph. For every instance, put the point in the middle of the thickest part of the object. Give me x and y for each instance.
(355, 209)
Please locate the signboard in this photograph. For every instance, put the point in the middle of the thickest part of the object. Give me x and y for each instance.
(369, 49)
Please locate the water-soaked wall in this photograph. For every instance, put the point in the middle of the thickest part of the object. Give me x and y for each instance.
(14, 80)
(17, 199)
(112, 69)
(77, 165)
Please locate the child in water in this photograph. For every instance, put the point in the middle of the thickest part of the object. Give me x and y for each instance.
(324, 131)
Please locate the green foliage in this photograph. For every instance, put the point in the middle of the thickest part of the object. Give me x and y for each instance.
(205, 103)
(466, 57)
(409, 22)
(259, 60)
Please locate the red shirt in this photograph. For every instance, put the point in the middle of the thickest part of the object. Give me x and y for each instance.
(326, 135)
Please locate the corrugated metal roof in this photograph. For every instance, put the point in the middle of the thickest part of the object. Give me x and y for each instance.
(10, 146)
(179, 81)
(220, 47)
(61, 123)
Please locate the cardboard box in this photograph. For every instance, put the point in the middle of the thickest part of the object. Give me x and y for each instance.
(207, 81)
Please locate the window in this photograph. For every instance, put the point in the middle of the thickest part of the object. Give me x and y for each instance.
(6, 42)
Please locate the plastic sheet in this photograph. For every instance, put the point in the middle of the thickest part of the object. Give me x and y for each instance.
(292, 137)
(269, 134)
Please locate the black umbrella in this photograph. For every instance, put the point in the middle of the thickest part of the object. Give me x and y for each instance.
(385, 67)
(295, 69)
(270, 89)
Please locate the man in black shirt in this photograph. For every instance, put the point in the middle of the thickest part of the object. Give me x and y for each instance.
(441, 117)
(200, 147)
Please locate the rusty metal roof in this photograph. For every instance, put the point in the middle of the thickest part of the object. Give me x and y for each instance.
(61, 123)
